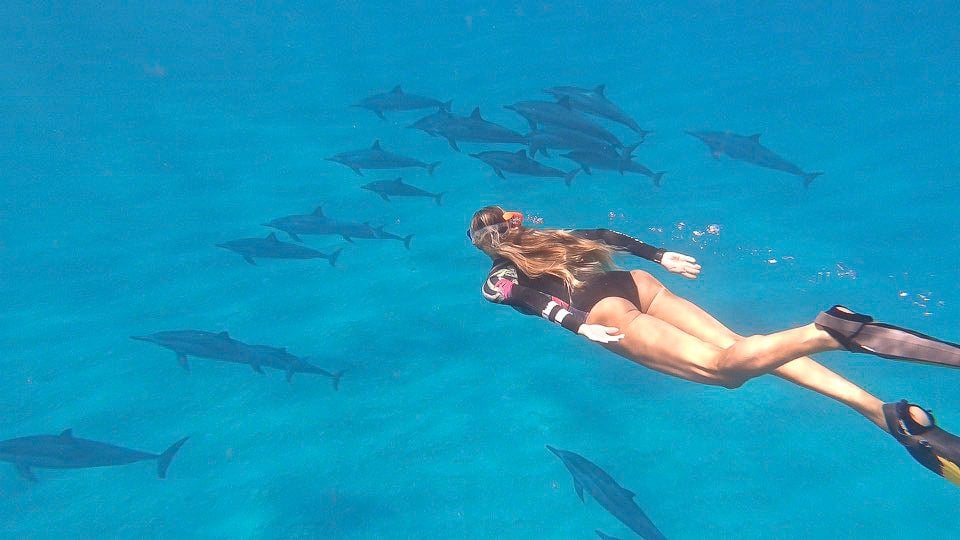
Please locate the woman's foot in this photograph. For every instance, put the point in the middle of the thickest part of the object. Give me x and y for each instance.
(931, 446)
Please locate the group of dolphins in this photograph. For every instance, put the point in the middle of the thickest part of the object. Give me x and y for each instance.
(567, 123)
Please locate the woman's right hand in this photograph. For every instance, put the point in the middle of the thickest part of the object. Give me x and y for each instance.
(600, 333)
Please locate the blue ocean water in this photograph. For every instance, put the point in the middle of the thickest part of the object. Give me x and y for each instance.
(135, 138)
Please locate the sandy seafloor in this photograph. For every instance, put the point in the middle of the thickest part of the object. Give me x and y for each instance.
(133, 139)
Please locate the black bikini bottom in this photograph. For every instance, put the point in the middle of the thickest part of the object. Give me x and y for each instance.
(616, 283)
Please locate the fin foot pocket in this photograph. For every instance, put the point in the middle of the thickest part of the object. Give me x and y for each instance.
(931, 446)
(859, 333)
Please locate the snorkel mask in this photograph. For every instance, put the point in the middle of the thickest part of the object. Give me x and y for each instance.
(511, 220)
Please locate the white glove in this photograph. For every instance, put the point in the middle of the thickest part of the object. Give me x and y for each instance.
(600, 333)
(679, 263)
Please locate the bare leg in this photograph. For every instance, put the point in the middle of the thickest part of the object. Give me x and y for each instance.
(803, 371)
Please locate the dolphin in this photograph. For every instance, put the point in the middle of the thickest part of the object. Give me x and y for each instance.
(215, 346)
(318, 223)
(596, 103)
(518, 162)
(606, 491)
(590, 159)
(279, 358)
(431, 123)
(396, 188)
(377, 158)
(272, 248)
(64, 451)
(562, 114)
(750, 150)
(396, 100)
(566, 139)
(475, 128)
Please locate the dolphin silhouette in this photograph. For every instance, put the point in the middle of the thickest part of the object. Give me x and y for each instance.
(606, 491)
(749, 149)
(64, 451)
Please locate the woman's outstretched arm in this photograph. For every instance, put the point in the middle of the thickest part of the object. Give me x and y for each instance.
(676, 263)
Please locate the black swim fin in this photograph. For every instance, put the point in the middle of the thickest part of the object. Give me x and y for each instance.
(931, 446)
(858, 333)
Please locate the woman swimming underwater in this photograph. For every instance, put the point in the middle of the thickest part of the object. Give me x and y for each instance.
(569, 278)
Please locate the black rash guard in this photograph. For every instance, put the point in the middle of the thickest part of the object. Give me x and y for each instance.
(548, 296)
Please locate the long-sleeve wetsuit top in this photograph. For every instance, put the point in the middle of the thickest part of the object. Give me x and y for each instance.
(547, 295)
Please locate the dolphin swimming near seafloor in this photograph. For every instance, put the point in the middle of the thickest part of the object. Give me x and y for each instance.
(518, 162)
(749, 149)
(397, 188)
(272, 248)
(475, 128)
(377, 158)
(396, 100)
(591, 159)
(595, 102)
(608, 493)
(560, 138)
(199, 343)
(64, 451)
(318, 223)
(562, 114)
(279, 358)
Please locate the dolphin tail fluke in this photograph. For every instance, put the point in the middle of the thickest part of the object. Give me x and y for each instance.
(432, 166)
(332, 258)
(568, 178)
(167, 456)
(656, 177)
(808, 178)
(335, 379)
(439, 198)
(406, 241)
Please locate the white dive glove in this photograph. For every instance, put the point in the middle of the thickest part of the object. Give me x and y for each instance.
(678, 263)
(600, 333)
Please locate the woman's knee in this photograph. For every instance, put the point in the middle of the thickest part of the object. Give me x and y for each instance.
(730, 372)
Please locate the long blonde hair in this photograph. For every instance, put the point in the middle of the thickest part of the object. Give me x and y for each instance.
(538, 252)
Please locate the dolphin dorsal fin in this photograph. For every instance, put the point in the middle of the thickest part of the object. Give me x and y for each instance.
(272, 237)
(67, 433)
(396, 90)
(224, 334)
(600, 89)
(376, 145)
(318, 212)
(399, 180)
(564, 102)
(521, 153)
(755, 137)
(476, 114)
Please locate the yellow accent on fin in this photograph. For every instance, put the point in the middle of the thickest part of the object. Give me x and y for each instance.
(950, 470)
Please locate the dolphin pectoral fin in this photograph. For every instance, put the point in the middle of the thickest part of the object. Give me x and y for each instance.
(385, 197)
(290, 373)
(257, 368)
(579, 487)
(499, 173)
(25, 472)
(379, 114)
(294, 237)
(182, 360)
(67, 433)
(250, 260)
(453, 143)
(347, 238)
